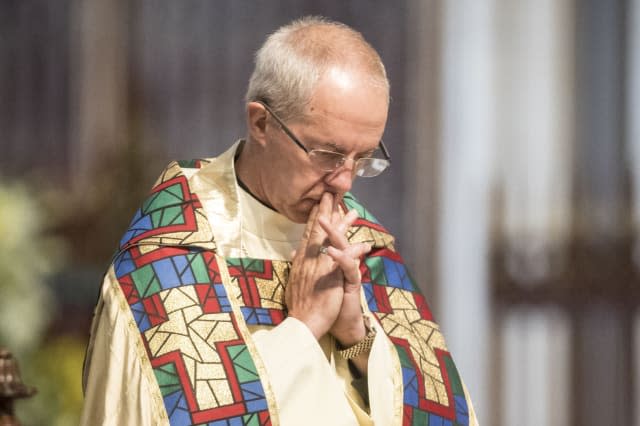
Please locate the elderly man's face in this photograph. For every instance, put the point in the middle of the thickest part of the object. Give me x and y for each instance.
(347, 114)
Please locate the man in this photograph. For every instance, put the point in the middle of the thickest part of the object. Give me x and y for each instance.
(252, 288)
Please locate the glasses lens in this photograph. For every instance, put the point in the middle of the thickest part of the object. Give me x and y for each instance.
(370, 167)
(327, 161)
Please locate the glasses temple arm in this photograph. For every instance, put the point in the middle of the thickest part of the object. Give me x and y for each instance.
(283, 126)
(384, 150)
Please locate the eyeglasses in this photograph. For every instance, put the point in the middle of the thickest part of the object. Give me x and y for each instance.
(329, 161)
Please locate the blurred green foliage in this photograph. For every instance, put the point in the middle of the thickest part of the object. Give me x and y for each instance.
(27, 259)
(55, 370)
(29, 256)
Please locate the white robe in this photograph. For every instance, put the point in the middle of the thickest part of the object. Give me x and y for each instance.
(311, 383)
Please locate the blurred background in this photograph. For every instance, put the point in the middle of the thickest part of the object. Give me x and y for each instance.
(514, 192)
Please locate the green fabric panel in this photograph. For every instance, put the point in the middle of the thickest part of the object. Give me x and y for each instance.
(156, 218)
(234, 261)
(405, 361)
(251, 419)
(242, 363)
(188, 164)
(167, 216)
(169, 196)
(351, 203)
(253, 265)
(175, 190)
(199, 268)
(247, 264)
(195, 163)
(376, 268)
(145, 280)
(146, 205)
(420, 418)
(454, 377)
(167, 378)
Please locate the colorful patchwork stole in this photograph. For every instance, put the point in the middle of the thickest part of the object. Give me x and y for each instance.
(192, 308)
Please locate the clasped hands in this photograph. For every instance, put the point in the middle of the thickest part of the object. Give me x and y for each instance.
(323, 289)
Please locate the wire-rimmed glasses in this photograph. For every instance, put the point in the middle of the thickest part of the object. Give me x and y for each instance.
(329, 161)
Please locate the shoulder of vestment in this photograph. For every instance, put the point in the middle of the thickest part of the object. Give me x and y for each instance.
(366, 229)
(171, 214)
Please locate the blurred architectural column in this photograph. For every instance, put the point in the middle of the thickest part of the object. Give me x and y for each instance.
(467, 161)
(633, 116)
(534, 135)
(99, 99)
(636, 376)
(602, 340)
(421, 152)
(633, 144)
(600, 175)
(535, 351)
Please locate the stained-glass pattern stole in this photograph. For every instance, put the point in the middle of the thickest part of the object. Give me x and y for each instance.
(175, 288)
(170, 276)
(433, 392)
(202, 364)
(198, 354)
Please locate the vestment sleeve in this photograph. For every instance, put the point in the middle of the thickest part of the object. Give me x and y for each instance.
(301, 376)
(385, 381)
(117, 390)
(305, 381)
(473, 420)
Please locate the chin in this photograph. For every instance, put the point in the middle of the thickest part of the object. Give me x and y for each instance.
(300, 214)
(299, 217)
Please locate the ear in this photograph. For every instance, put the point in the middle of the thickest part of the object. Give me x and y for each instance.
(257, 122)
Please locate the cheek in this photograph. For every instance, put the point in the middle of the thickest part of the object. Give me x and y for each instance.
(293, 180)
(307, 182)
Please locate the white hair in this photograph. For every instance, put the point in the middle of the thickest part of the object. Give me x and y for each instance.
(293, 59)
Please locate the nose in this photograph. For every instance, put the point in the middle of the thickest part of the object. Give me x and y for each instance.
(342, 178)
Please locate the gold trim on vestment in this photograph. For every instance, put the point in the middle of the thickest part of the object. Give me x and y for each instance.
(159, 411)
(234, 296)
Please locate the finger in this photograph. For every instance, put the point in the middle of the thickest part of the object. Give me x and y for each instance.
(336, 203)
(324, 212)
(337, 233)
(304, 242)
(348, 220)
(356, 251)
(349, 266)
(349, 260)
(336, 238)
(313, 215)
(317, 235)
(343, 222)
(335, 218)
(336, 212)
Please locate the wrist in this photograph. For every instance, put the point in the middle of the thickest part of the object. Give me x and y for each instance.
(361, 347)
(346, 337)
(316, 327)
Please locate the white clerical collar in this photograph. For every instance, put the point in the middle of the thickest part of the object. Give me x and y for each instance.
(266, 223)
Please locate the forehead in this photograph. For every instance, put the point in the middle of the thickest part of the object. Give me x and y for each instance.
(348, 111)
(349, 94)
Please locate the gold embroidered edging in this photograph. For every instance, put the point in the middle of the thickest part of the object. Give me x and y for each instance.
(398, 390)
(159, 411)
(233, 293)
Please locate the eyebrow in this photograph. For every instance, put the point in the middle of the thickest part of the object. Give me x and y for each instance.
(328, 146)
(332, 146)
